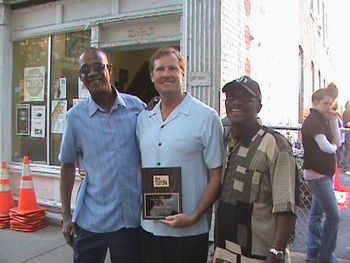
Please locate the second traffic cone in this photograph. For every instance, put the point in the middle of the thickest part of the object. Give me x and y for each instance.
(27, 200)
(342, 192)
(337, 181)
(6, 199)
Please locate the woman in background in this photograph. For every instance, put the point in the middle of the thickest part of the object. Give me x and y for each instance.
(340, 150)
(321, 138)
(346, 152)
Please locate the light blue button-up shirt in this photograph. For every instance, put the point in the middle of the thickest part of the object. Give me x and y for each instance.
(105, 145)
(191, 138)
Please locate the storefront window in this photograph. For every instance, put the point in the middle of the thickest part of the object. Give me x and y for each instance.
(29, 95)
(39, 109)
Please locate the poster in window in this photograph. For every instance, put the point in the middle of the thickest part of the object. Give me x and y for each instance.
(58, 115)
(38, 121)
(22, 119)
(83, 92)
(34, 83)
(60, 88)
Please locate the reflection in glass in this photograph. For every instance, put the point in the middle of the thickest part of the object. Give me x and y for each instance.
(66, 50)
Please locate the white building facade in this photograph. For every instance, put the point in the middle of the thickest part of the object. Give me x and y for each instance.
(222, 40)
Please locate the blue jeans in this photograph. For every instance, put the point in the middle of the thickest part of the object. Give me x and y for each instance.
(322, 237)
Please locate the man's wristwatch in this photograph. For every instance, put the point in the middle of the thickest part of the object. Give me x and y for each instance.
(279, 254)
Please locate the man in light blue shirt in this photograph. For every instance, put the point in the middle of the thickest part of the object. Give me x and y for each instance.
(181, 132)
(100, 133)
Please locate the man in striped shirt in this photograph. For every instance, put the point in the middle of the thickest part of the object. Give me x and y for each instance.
(257, 207)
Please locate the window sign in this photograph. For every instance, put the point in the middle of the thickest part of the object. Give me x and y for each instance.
(60, 89)
(58, 115)
(38, 121)
(34, 83)
(83, 92)
(22, 119)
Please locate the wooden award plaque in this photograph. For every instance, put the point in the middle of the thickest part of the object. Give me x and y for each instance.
(161, 192)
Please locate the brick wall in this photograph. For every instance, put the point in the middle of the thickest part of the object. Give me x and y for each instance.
(315, 49)
(231, 42)
(277, 29)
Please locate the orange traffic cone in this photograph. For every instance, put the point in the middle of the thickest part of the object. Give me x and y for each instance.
(337, 182)
(6, 200)
(342, 192)
(28, 216)
(27, 200)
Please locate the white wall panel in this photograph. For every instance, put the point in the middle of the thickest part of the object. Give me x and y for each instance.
(5, 83)
(32, 17)
(130, 6)
(86, 9)
(202, 22)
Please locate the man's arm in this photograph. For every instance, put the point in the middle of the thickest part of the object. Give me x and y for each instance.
(284, 232)
(66, 187)
(285, 188)
(208, 198)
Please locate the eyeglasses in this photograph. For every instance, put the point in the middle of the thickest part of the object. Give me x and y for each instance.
(98, 67)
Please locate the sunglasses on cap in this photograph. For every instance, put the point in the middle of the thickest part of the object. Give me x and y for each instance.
(98, 67)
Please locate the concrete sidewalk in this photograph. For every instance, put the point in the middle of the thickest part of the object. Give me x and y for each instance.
(48, 245)
(45, 245)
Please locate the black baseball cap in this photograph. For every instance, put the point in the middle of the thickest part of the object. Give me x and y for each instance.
(246, 82)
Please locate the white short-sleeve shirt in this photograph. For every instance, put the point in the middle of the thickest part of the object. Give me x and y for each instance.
(190, 138)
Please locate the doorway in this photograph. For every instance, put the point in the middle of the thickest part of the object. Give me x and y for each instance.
(131, 73)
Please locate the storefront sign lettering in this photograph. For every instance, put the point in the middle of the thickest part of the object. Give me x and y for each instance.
(34, 83)
(199, 79)
(141, 32)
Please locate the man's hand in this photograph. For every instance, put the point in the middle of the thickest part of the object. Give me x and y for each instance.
(332, 115)
(69, 231)
(179, 220)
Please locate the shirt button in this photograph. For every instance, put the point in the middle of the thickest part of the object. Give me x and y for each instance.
(159, 143)
(158, 163)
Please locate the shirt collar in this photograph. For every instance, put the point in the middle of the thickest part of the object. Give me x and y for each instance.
(183, 108)
(248, 133)
(315, 111)
(93, 106)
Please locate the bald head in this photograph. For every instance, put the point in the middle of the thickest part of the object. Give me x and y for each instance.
(93, 52)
